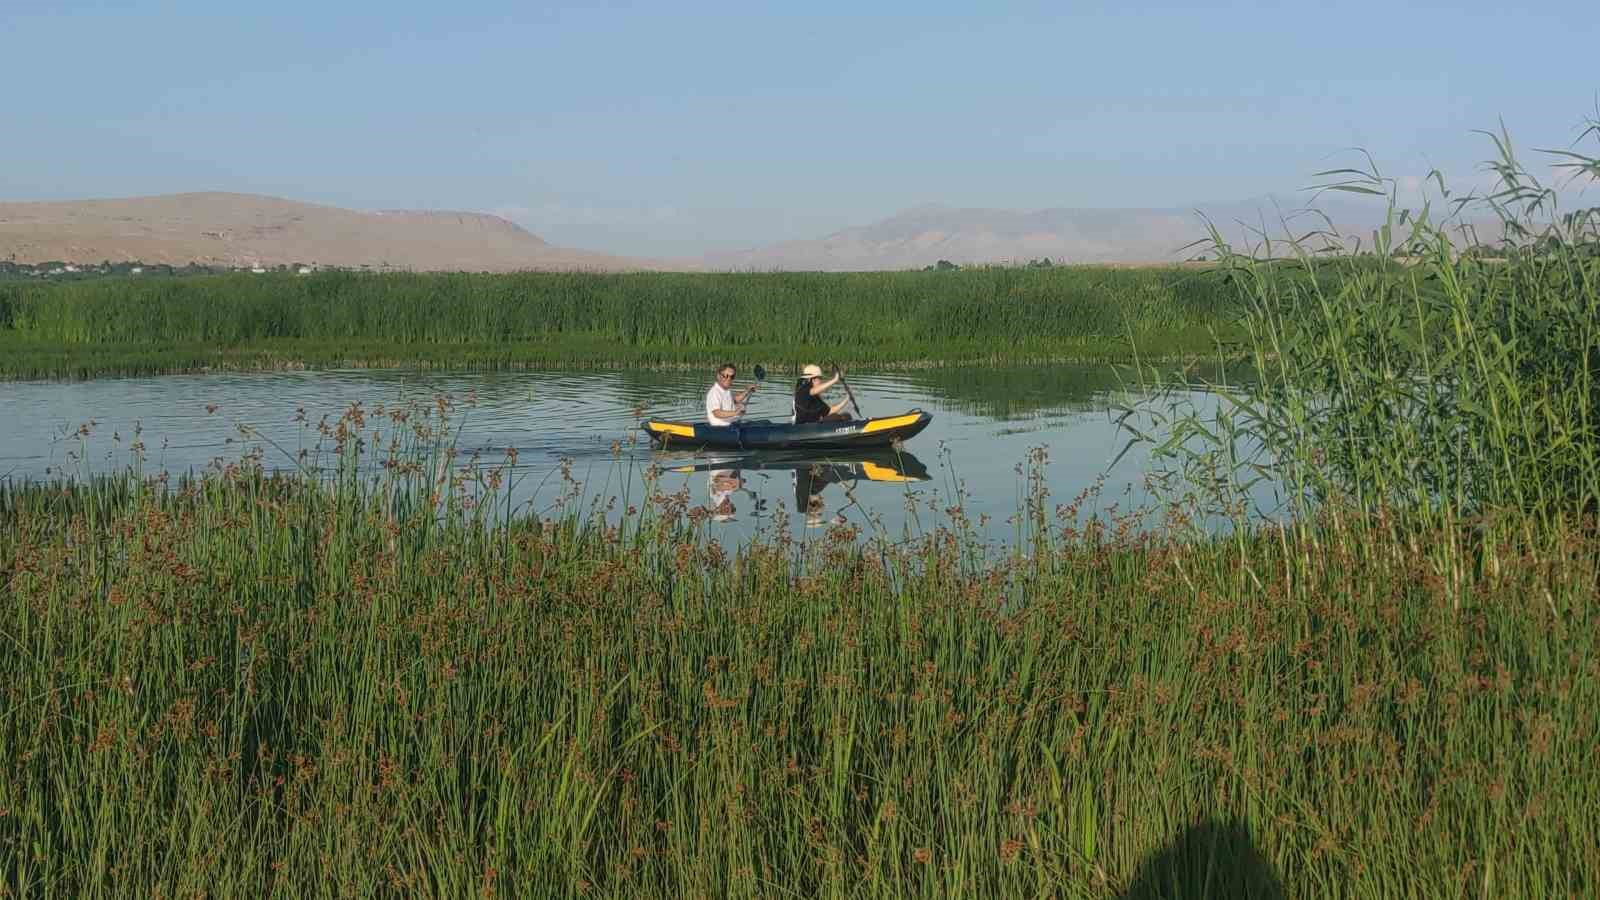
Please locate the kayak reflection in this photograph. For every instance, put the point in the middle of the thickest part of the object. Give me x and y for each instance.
(811, 473)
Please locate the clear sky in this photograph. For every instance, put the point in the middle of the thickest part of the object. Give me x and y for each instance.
(678, 128)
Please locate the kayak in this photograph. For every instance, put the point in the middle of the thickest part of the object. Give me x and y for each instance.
(762, 434)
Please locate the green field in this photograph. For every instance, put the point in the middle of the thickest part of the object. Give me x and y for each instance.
(125, 325)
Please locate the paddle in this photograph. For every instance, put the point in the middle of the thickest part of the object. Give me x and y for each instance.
(761, 375)
(848, 393)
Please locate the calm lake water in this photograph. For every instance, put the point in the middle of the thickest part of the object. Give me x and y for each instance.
(987, 423)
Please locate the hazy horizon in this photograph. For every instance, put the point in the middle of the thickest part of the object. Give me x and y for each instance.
(706, 128)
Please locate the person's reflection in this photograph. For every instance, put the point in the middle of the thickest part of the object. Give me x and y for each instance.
(721, 484)
(808, 484)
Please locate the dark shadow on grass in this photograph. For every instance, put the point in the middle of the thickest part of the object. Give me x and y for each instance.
(1212, 859)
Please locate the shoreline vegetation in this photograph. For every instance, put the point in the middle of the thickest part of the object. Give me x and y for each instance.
(247, 682)
(129, 326)
(41, 361)
(359, 675)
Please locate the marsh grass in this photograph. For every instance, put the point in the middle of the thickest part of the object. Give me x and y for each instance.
(351, 679)
(1460, 384)
(133, 326)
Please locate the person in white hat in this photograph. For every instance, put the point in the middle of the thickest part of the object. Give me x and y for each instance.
(808, 403)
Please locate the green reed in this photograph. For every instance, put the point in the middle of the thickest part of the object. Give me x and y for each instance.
(359, 678)
(1443, 374)
(132, 325)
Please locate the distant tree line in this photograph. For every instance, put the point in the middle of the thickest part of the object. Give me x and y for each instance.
(61, 270)
(945, 265)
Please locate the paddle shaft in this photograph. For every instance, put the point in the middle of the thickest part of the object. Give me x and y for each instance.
(851, 395)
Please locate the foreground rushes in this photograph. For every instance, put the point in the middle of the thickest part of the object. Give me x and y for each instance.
(267, 684)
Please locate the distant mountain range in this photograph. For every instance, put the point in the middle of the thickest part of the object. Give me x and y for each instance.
(246, 230)
(922, 236)
(243, 230)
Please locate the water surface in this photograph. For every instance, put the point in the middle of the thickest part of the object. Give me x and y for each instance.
(988, 424)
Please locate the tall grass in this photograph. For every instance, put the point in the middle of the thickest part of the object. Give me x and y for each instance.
(361, 682)
(988, 313)
(1451, 374)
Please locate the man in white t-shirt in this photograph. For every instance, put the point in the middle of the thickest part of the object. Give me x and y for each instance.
(723, 406)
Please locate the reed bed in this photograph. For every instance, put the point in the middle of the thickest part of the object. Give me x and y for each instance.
(362, 678)
(131, 325)
(1462, 385)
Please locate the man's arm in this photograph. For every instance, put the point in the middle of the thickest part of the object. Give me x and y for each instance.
(817, 389)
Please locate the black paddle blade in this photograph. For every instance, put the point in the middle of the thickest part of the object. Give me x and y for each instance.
(761, 372)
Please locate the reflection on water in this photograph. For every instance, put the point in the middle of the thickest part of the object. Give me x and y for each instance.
(986, 420)
(810, 472)
(1021, 392)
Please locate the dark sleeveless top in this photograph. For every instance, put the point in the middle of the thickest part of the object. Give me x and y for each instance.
(806, 407)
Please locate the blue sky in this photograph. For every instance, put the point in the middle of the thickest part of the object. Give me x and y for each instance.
(676, 128)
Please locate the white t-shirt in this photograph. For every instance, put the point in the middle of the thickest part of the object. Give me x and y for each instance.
(719, 397)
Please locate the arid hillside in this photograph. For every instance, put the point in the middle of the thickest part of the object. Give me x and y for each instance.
(251, 230)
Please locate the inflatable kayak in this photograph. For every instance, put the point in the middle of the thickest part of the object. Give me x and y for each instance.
(878, 431)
